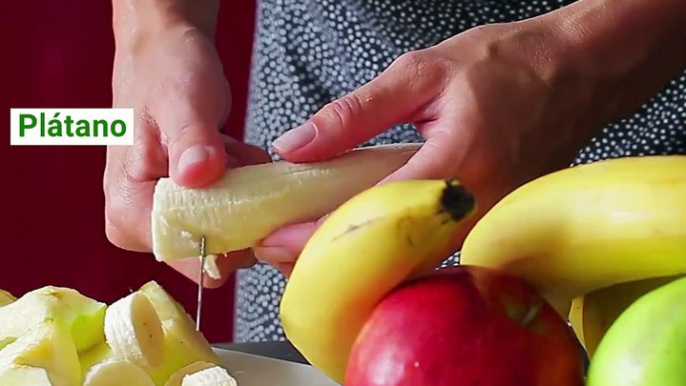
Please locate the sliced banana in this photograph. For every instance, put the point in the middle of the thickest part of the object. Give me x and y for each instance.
(117, 372)
(214, 376)
(48, 346)
(134, 332)
(280, 192)
(179, 327)
(177, 378)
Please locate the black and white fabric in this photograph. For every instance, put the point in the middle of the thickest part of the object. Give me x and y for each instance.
(309, 52)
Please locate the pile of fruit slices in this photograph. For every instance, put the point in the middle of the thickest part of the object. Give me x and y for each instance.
(55, 336)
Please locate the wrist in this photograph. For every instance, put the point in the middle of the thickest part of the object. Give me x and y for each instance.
(135, 21)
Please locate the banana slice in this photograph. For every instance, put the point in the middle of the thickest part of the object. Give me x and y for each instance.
(24, 376)
(214, 376)
(6, 298)
(280, 192)
(47, 346)
(134, 331)
(117, 372)
(83, 316)
(177, 378)
(184, 345)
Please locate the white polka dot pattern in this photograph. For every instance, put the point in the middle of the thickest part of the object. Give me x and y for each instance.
(309, 52)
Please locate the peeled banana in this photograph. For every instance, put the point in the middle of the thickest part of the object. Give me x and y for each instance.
(379, 238)
(588, 227)
(250, 202)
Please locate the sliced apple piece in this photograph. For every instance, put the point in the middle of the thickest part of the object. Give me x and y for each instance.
(49, 346)
(83, 316)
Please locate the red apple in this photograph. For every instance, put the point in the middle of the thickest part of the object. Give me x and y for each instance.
(465, 326)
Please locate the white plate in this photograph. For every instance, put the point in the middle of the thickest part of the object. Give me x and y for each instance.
(254, 370)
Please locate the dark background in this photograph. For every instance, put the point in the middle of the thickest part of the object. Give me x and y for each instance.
(59, 53)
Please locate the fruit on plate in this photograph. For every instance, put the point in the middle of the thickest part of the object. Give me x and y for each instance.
(147, 337)
(376, 240)
(588, 227)
(117, 372)
(280, 192)
(645, 345)
(465, 326)
(592, 314)
(83, 316)
(48, 345)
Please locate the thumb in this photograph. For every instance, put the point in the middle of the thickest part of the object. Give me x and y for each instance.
(195, 146)
(396, 96)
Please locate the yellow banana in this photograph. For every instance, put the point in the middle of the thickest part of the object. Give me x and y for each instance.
(592, 315)
(368, 246)
(588, 227)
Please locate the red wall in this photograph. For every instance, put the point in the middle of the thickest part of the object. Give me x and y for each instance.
(59, 54)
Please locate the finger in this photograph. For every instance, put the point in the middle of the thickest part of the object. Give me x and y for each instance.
(285, 245)
(189, 122)
(226, 264)
(400, 94)
(244, 153)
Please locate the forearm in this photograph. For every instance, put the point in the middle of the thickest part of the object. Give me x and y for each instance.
(631, 48)
(133, 18)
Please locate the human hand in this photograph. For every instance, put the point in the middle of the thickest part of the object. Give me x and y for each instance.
(176, 85)
(497, 105)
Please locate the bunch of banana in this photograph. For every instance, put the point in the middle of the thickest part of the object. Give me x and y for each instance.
(55, 336)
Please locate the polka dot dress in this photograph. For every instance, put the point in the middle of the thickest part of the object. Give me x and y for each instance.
(309, 52)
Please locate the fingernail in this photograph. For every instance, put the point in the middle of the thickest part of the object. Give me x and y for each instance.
(274, 255)
(193, 155)
(296, 138)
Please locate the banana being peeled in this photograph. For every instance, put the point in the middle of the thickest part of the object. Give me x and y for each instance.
(368, 246)
(588, 227)
(250, 202)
